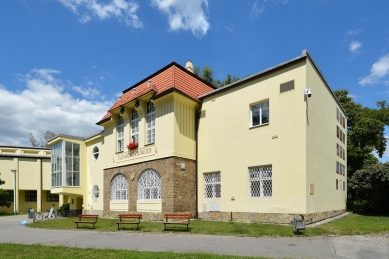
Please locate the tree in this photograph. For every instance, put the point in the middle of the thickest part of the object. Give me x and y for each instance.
(4, 196)
(207, 75)
(371, 186)
(43, 142)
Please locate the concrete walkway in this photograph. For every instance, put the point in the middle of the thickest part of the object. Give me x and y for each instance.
(294, 247)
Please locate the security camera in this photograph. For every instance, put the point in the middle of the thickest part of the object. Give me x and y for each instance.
(307, 92)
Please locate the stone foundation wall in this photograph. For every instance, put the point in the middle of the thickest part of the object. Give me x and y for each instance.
(274, 218)
(178, 186)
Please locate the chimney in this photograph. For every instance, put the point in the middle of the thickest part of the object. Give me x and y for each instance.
(189, 66)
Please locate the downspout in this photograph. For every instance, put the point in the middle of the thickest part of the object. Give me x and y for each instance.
(197, 119)
(41, 183)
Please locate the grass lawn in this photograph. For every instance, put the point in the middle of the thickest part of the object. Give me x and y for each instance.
(352, 224)
(58, 252)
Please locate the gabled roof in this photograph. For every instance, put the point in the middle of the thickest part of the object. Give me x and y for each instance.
(172, 77)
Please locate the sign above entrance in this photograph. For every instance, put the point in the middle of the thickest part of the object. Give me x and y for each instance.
(134, 154)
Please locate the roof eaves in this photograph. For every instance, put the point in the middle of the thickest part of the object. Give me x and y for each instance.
(25, 147)
(102, 121)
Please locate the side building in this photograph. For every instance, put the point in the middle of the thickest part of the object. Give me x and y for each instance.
(259, 150)
(26, 172)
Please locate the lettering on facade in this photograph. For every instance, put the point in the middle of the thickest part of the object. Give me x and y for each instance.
(133, 154)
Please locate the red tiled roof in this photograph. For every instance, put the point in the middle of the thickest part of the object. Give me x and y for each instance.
(171, 77)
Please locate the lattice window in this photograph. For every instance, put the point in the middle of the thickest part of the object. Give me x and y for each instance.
(120, 134)
(212, 186)
(260, 182)
(119, 188)
(149, 185)
(150, 123)
(134, 126)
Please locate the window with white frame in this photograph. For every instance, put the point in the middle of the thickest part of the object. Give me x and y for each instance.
(212, 185)
(119, 188)
(150, 123)
(30, 196)
(56, 164)
(134, 126)
(149, 185)
(120, 134)
(260, 113)
(260, 182)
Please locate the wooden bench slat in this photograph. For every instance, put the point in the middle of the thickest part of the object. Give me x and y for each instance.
(184, 220)
(82, 216)
(130, 217)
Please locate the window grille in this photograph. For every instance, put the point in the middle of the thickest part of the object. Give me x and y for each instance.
(134, 126)
(260, 114)
(30, 196)
(149, 185)
(260, 182)
(51, 197)
(150, 123)
(120, 134)
(119, 188)
(212, 186)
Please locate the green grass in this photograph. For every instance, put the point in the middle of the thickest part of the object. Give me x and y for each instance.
(58, 252)
(352, 224)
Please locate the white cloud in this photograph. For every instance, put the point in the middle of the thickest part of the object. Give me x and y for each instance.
(256, 10)
(378, 72)
(353, 32)
(355, 47)
(229, 28)
(121, 9)
(185, 15)
(90, 93)
(45, 104)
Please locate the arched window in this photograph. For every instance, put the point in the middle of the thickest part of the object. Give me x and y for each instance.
(120, 134)
(119, 188)
(149, 185)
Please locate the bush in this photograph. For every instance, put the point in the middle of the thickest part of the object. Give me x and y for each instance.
(65, 206)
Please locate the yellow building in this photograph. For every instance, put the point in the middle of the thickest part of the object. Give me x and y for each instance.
(259, 150)
(26, 170)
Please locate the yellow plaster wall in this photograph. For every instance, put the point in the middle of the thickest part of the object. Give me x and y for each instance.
(228, 144)
(321, 147)
(29, 174)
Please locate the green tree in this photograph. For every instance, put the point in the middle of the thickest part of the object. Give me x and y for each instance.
(207, 75)
(371, 186)
(4, 196)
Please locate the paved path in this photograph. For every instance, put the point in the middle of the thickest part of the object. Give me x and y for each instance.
(294, 247)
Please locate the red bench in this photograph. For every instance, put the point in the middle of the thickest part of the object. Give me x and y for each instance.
(130, 219)
(177, 219)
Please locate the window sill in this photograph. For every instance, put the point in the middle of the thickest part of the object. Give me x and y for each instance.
(258, 126)
(149, 144)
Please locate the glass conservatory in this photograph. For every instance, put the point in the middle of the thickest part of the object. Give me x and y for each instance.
(65, 164)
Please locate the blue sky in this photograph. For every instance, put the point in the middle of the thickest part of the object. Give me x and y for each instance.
(64, 62)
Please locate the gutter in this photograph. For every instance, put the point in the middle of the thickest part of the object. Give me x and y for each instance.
(197, 123)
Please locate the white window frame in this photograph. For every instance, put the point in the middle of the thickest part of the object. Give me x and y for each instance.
(134, 126)
(150, 123)
(149, 185)
(120, 134)
(119, 188)
(261, 106)
(212, 185)
(260, 174)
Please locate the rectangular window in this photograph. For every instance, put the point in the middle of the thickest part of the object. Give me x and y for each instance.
(150, 123)
(336, 183)
(337, 167)
(260, 113)
(56, 164)
(120, 129)
(337, 149)
(260, 182)
(337, 131)
(134, 126)
(10, 196)
(344, 185)
(212, 185)
(51, 197)
(344, 138)
(337, 113)
(341, 118)
(30, 196)
(340, 135)
(344, 122)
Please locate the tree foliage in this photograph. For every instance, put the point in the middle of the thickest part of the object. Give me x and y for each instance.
(4, 196)
(207, 75)
(43, 141)
(371, 186)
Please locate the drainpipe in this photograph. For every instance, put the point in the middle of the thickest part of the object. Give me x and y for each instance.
(197, 120)
(41, 188)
